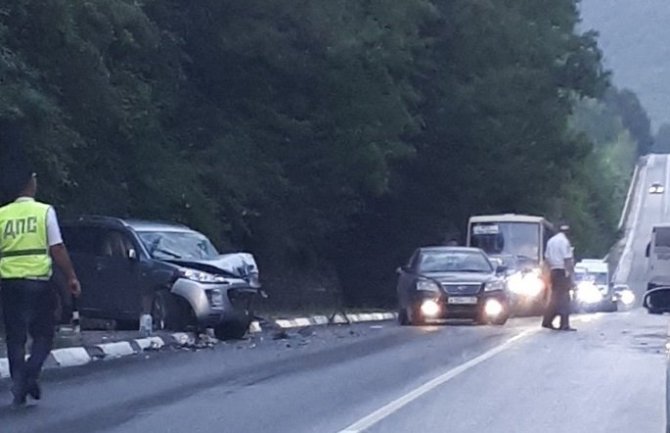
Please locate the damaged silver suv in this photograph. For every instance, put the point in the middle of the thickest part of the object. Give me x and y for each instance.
(126, 264)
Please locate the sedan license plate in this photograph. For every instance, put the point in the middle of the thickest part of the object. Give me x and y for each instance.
(462, 300)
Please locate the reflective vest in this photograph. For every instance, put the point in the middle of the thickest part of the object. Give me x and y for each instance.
(24, 248)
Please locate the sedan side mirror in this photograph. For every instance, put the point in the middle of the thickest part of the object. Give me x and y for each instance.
(132, 254)
(399, 270)
(657, 301)
(501, 269)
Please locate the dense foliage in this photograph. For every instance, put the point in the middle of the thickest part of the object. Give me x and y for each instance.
(329, 137)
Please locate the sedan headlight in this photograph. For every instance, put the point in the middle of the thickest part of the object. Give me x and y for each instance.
(201, 276)
(427, 286)
(494, 285)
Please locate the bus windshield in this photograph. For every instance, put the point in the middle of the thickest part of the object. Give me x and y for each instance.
(521, 240)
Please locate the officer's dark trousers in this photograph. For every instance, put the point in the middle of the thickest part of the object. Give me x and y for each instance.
(28, 308)
(559, 299)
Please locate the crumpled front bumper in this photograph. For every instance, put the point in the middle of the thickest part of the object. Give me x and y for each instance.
(217, 303)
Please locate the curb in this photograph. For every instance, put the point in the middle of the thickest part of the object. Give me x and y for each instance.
(82, 355)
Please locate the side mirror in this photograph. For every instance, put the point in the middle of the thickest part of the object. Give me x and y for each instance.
(501, 269)
(648, 250)
(657, 301)
(132, 254)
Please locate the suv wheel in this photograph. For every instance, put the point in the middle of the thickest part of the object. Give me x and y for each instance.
(166, 312)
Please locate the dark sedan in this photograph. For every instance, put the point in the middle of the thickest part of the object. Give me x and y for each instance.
(451, 282)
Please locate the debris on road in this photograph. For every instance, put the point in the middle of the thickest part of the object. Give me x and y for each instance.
(306, 332)
(280, 335)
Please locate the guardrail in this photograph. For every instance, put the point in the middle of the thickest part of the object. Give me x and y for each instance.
(631, 188)
(617, 252)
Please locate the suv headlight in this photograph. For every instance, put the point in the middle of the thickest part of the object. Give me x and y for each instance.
(427, 286)
(494, 285)
(201, 276)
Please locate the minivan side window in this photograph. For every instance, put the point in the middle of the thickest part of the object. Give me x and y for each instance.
(82, 240)
(115, 244)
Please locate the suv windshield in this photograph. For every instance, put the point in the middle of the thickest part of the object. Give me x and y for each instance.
(178, 245)
(453, 261)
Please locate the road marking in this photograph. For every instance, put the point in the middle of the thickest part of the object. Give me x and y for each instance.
(383, 412)
(667, 182)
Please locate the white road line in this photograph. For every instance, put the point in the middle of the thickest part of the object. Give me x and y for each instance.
(383, 412)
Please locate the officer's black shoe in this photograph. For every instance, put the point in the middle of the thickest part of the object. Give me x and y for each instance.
(35, 391)
(19, 397)
(566, 328)
(548, 326)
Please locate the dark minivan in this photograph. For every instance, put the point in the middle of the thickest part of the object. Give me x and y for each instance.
(122, 263)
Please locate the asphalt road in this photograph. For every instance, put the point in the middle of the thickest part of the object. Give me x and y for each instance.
(607, 377)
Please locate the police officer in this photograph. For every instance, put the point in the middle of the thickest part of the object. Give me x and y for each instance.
(558, 258)
(30, 239)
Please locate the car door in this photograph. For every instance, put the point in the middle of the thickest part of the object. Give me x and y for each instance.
(118, 273)
(84, 244)
(406, 278)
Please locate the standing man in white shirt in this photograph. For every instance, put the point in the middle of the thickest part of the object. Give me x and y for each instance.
(559, 259)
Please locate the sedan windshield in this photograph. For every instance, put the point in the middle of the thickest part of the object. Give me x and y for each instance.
(178, 245)
(454, 261)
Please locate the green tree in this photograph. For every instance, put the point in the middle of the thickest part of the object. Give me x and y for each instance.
(625, 105)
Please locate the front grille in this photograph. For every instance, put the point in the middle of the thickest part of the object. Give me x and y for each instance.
(462, 288)
(240, 299)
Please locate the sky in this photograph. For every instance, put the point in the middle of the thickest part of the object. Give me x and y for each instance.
(635, 38)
